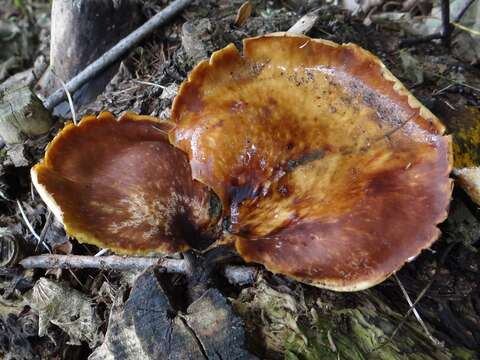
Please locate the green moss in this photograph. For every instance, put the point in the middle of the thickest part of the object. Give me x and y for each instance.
(300, 329)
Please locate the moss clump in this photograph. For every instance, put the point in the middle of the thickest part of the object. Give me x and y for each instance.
(293, 326)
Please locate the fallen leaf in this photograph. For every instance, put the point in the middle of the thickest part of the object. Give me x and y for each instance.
(243, 13)
(67, 308)
(412, 68)
(469, 180)
(305, 23)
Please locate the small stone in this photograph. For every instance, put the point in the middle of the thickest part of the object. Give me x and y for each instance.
(195, 34)
(169, 92)
(16, 154)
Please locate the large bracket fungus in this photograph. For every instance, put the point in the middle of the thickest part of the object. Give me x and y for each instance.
(328, 170)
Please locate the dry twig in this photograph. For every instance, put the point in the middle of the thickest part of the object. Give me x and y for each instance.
(238, 275)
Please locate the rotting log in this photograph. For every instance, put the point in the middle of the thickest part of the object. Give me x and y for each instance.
(22, 115)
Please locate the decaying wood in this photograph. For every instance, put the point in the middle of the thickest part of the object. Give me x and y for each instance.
(22, 115)
(116, 52)
(239, 275)
(149, 326)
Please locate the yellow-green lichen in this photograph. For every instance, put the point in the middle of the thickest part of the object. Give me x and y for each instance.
(466, 138)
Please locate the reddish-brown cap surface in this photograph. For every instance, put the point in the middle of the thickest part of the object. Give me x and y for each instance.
(121, 185)
(329, 170)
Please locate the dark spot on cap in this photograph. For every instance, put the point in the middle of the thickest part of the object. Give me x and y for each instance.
(283, 190)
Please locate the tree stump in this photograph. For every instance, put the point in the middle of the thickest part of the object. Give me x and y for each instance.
(81, 31)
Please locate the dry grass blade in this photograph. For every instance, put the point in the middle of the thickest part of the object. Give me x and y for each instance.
(467, 29)
(149, 83)
(415, 312)
(69, 98)
(70, 102)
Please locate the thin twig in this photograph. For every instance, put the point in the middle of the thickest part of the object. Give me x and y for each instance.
(116, 52)
(415, 312)
(30, 227)
(238, 275)
(420, 296)
(438, 92)
(446, 26)
(113, 262)
(454, 82)
(148, 83)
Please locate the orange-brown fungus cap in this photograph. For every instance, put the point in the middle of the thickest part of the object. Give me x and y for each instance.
(121, 185)
(330, 170)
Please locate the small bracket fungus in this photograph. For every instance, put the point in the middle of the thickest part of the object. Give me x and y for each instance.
(328, 170)
(121, 185)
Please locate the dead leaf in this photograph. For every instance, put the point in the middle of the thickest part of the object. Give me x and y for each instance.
(412, 68)
(67, 308)
(8, 247)
(305, 23)
(243, 13)
(17, 155)
(169, 92)
(356, 6)
(469, 180)
(64, 248)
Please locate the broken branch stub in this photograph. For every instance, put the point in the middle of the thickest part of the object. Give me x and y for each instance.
(326, 168)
